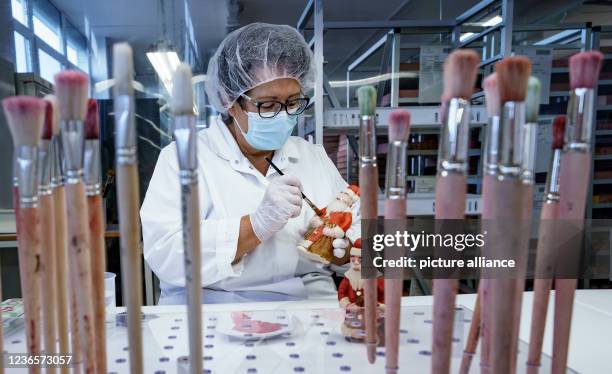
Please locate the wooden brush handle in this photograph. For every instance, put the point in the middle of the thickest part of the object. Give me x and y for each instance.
(75, 330)
(31, 277)
(489, 186)
(128, 198)
(48, 256)
(472, 339)
(394, 210)
(505, 299)
(450, 204)
(541, 287)
(573, 189)
(193, 275)
(98, 266)
(61, 262)
(80, 257)
(527, 205)
(368, 185)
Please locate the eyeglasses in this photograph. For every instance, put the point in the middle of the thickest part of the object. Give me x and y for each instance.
(270, 108)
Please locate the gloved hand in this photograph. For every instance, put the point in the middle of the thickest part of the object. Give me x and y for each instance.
(340, 246)
(282, 201)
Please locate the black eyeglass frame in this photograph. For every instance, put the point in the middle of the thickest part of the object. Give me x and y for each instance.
(283, 106)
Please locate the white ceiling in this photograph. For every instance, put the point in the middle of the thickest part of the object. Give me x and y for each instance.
(136, 21)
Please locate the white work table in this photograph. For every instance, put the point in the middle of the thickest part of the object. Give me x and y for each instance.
(316, 345)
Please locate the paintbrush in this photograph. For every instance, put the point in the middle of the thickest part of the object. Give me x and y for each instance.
(489, 196)
(92, 180)
(61, 248)
(128, 197)
(25, 117)
(395, 209)
(479, 326)
(529, 144)
(513, 75)
(459, 76)
(368, 184)
(71, 90)
(574, 177)
(47, 215)
(185, 137)
(306, 199)
(545, 252)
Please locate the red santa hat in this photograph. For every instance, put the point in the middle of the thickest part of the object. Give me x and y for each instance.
(353, 192)
(356, 248)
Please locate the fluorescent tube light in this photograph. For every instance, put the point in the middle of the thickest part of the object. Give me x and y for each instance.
(164, 63)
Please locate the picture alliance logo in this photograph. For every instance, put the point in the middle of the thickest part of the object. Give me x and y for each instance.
(413, 241)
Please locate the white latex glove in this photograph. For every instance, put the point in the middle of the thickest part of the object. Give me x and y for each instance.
(282, 201)
(340, 246)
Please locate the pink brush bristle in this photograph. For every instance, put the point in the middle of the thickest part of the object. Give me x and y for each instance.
(460, 70)
(92, 122)
(584, 68)
(71, 92)
(558, 130)
(47, 130)
(491, 91)
(25, 117)
(399, 125)
(512, 77)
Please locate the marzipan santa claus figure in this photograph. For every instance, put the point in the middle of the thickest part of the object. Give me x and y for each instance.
(351, 298)
(325, 238)
(350, 290)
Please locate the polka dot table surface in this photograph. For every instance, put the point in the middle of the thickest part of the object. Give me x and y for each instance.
(279, 342)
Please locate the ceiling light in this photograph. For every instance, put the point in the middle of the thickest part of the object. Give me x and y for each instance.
(164, 63)
(466, 36)
(494, 21)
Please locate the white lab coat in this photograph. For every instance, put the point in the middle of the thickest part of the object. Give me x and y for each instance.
(230, 187)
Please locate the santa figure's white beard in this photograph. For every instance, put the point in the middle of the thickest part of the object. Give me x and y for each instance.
(337, 206)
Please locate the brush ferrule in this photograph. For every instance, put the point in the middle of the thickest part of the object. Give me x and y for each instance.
(553, 177)
(530, 134)
(188, 177)
(579, 120)
(367, 140)
(491, 154)
(73, 139)
(511, 140)
(91, 174)
(185, 136)
(453, 152)
(125, 131)
(44, 167)
(26, 170)
(395, 186)
(57, 164)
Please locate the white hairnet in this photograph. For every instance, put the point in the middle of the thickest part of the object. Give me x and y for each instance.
(254, 54)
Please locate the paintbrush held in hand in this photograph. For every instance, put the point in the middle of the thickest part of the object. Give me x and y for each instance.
(368, 185)
(460, 71)
(185, 136)
(574, 177)
(395, 208)
(71, 88)
(25, 117)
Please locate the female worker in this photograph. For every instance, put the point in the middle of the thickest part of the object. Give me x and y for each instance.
(252, 217)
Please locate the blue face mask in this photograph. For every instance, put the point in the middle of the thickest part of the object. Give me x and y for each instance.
(268, 134)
